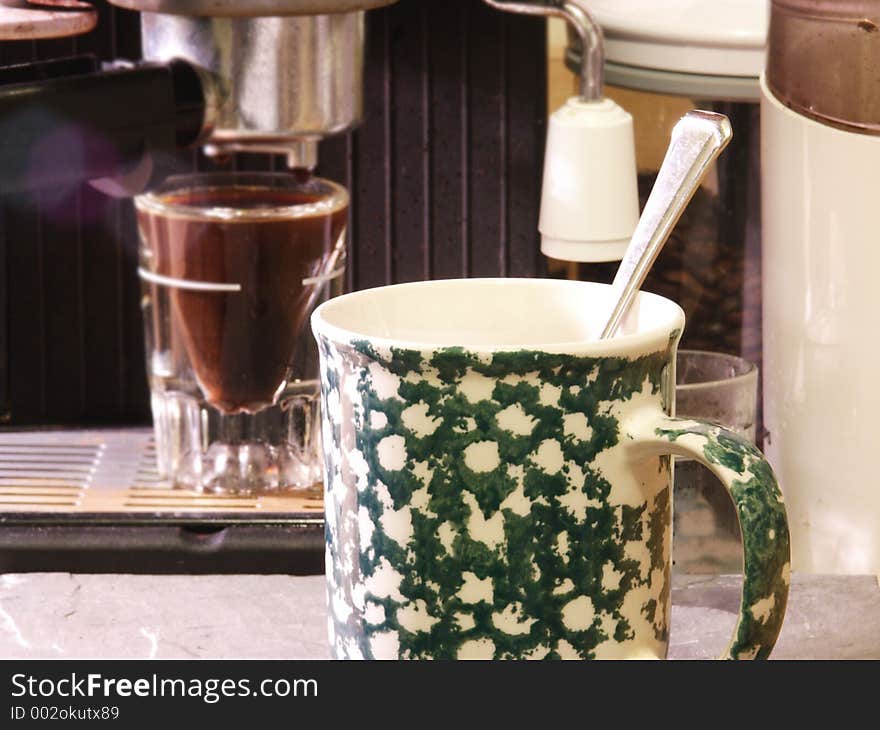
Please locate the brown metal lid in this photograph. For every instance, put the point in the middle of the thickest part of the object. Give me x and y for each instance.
(823, 58)
(250, 8)
(20, 20)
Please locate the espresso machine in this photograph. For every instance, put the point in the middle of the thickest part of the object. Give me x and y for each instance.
(259, 77)
(444, 179)
(270, 79)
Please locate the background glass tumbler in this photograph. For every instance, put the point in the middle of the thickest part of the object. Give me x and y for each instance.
(232, 266)
(723, 389)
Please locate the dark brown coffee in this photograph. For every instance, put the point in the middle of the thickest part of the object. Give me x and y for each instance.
(241, 344)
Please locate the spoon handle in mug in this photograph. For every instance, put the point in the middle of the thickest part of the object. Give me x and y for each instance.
(697, 140)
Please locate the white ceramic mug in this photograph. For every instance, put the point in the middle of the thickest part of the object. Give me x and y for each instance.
(498, 481)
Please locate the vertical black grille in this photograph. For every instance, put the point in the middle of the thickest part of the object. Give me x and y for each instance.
(445, 177)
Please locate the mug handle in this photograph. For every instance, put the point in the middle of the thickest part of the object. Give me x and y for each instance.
(752, 486)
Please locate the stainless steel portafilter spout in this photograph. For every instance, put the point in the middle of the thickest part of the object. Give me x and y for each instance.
(592, 77)
(277, 85)
(280, 75)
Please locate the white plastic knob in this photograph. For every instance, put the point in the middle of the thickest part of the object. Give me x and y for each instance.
(590, 201)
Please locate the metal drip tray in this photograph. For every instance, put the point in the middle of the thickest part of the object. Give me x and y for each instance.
(92, 501)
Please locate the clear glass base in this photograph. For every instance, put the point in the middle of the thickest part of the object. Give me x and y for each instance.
(248, 468)
(276, 450)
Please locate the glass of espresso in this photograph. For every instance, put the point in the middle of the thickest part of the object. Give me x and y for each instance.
(232, 266)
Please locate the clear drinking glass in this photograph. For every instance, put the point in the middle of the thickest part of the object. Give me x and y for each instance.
(710, 386)
(232, 266)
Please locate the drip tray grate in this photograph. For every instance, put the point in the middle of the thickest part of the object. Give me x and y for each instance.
(113, 473)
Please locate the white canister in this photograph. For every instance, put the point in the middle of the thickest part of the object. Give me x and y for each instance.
(821, 261)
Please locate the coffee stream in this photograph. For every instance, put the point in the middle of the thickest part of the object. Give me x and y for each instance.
(241, 344)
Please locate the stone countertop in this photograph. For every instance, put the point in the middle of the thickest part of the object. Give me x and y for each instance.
(54, 615)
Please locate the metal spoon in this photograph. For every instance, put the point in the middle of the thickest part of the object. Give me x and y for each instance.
(697, 140)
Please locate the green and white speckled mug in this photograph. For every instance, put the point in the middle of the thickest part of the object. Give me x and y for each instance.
(498, 482)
